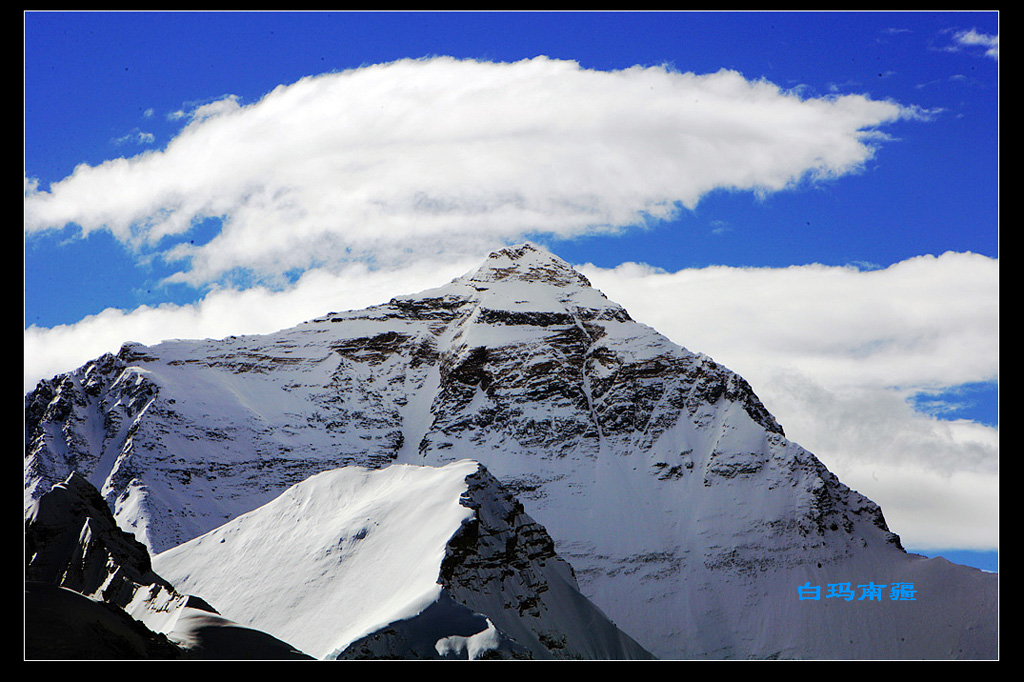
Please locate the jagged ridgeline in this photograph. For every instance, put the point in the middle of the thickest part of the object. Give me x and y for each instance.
(689, 518)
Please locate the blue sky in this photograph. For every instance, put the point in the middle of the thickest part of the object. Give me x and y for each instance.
(840, 263)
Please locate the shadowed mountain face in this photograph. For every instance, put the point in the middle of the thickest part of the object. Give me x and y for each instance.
(689, 518)
(91, 593)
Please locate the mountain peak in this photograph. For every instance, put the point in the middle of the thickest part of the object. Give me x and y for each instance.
(665, 483)
(526, 262)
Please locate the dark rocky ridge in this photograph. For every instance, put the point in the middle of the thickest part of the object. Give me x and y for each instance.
(91, 593)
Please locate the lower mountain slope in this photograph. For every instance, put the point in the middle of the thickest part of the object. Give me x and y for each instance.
(402, 561)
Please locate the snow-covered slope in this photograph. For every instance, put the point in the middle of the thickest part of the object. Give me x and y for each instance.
(688, 516)
(405, 560)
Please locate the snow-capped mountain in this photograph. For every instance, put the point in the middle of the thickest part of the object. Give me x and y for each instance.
(689, 518)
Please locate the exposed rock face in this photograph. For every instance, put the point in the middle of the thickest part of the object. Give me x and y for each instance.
(71, 540)
(91, 592)
(661, 477)
(503, 564)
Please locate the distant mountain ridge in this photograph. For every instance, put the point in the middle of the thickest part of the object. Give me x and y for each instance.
(689, 518)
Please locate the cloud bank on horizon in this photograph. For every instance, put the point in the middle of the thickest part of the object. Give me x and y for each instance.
(392, 178)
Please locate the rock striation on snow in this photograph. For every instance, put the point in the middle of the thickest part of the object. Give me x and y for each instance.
(689, 518)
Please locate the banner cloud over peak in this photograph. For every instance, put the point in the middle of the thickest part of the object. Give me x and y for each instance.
(447, 154)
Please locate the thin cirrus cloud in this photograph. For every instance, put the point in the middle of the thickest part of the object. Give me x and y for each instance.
(434, 155)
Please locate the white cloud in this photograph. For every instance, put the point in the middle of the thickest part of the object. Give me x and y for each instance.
(137, 137)
(447, 154)
(973, 38)
(923, 323)
(224, 312)
(424, 165)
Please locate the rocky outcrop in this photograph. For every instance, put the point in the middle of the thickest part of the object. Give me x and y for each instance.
(91, 592)
(72, 540)
(504, 564)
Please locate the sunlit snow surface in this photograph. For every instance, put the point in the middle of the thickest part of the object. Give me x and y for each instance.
(346, 552)
(338, 557)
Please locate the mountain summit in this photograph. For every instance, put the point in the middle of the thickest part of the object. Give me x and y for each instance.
(525, 263)
(688, 516)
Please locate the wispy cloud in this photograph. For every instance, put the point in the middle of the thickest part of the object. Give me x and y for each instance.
(443, 155)
(971, 41)
(136, 137)
(972, 38)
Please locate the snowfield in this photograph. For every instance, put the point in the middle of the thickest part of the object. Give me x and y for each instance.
(349, 548)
